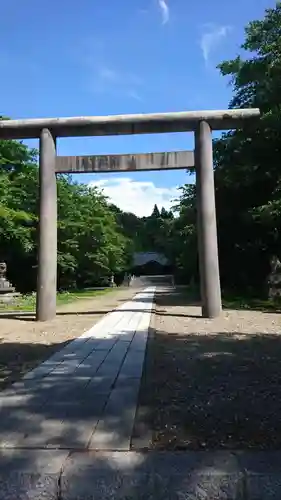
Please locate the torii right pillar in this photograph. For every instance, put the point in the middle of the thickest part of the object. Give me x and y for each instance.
(206, 223)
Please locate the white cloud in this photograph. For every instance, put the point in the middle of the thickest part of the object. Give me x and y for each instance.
(211, 37)
(109, 79)
(104, 75)
(135, 95)
(108, 74)
(165, 11)
(137, 197)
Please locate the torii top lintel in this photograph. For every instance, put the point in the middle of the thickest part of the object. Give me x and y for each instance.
(185, 121)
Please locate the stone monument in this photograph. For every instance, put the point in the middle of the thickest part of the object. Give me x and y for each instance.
(7, 291)
(274, 279)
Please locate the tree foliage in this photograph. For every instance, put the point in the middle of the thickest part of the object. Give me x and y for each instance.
(247, 167)
(90, 245)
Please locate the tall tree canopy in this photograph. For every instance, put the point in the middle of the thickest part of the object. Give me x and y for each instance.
(247, 166)
(90, 244)
(247, 161)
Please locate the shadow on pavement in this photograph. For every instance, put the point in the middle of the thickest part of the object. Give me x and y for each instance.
(16, 359)
(197, 393)
(211, 391)
(33, 466)
(216, 392)
(59, 468)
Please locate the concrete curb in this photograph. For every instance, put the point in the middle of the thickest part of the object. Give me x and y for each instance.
(62, 475)
(142, 434)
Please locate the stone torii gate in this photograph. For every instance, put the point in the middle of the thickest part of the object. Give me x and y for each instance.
(200, 122)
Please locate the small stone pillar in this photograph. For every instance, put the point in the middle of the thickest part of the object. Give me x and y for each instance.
(274, 279)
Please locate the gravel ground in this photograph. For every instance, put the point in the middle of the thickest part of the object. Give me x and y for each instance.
(210, 384)
(24, 343)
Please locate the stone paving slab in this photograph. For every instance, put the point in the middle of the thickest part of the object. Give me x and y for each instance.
(133, 363)
(58, 474)
(69, 425)
(169, 476)
(130, 475)
(31, 474)
(114, 429)
(87, 390)
(89, 366)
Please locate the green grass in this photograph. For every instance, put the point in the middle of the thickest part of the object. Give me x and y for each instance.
(28, 302)
(251, 303)
(232, 301)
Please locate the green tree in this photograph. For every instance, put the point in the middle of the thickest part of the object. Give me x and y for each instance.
(155, 212)
(247, 161)
(90, 244)
(247, 168)
(18, 199)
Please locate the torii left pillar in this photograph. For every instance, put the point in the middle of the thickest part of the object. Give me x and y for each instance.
(47, 257)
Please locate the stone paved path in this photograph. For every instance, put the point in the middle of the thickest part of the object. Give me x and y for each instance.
(83, 398)
(85, 395)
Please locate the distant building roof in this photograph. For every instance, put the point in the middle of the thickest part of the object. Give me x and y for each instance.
(142, 258)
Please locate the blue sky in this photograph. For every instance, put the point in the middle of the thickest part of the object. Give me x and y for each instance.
(93, 57)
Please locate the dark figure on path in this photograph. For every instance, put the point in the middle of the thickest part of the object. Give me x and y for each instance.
(127, 279)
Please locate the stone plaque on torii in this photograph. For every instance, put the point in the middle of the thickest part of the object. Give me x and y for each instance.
(200, 122)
